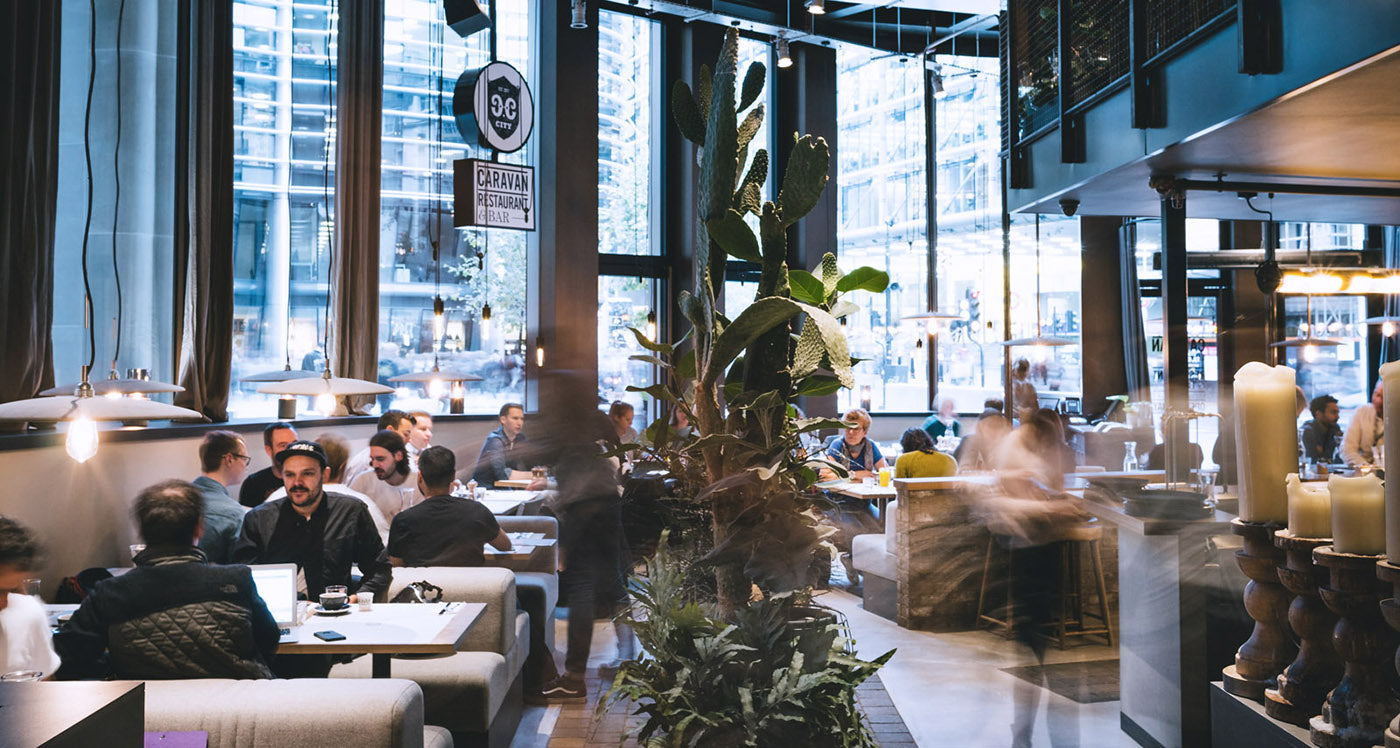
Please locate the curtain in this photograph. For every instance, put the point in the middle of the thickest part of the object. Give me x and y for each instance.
(1139, 377)
(29, 92)
(204, 216)
(354, 323)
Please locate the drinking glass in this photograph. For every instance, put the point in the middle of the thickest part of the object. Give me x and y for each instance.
(21, 675)
(30, 586)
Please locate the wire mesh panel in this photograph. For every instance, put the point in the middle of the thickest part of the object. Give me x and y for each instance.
(1098, 45)
(1170, 21)
(1035, 48)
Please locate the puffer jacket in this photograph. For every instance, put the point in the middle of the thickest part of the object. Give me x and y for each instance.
(173, 616)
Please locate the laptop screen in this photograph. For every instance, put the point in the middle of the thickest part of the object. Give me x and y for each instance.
(277, 586)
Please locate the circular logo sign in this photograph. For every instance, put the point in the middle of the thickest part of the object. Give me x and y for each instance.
(502, 107)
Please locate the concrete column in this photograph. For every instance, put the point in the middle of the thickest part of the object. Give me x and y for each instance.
(277, 268)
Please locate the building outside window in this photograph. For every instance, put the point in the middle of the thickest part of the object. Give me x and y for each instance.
(882, 222)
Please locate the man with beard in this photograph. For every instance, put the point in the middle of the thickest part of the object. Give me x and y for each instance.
(392, 483)
(259, 485)
(393, 420)
(323, 533)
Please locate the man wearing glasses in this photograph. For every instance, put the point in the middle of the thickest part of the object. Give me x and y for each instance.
(224, 459)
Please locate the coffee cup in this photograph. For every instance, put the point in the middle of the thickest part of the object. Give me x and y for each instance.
(335, 597)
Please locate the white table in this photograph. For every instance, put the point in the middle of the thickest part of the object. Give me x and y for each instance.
(389, 629)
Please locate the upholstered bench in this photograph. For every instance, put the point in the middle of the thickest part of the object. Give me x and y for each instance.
(361, 713)
(475, 693)
(873, 556)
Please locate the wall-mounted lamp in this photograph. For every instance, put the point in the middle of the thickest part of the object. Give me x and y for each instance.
(865, 397)
(580, 20)
(539, 351)
(816, 7)
(784, 56)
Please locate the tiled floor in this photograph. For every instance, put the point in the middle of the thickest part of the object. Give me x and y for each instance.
(947, 689)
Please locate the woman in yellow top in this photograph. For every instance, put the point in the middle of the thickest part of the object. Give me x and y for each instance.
(920, 459)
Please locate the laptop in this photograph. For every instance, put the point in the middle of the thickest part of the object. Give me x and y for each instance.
(277, 586)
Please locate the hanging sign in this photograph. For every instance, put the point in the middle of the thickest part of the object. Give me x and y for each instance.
(493, 195)
(494, 108)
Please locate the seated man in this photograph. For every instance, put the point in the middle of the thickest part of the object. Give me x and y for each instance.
(392, 483)
(337, 452)
(505, 453)
(257, 486)
(443, 530)
(1321, 435)
(393, 420)
(421, 437)
(223, 459)
(174, 615)
(24, 628)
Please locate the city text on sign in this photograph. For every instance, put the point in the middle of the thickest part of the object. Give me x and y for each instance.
(493, 195)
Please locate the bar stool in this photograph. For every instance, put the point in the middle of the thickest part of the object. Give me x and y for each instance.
(1070, 606)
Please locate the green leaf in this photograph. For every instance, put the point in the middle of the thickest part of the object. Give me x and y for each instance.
(685, 366)
(717, 161)
(691, 308)
(834, 339)
(804, 180)
(653, 360)
(864, 278)
(649, 345)
(704, 82)
(754, 79)
(818, 385)
(831, 273)
(687, 114)
(760, 317)
(734, 236)
(748, 199)
(658, 391)
(805, 287)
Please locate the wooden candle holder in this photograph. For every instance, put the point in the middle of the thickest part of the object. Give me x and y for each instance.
(1355, 713)
(1304, 684)
(1390, 609)
(1270, 647)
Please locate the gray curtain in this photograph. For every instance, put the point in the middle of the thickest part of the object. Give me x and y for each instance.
(354, 323)
(204, 216)
(1139, 376)
(29, 29)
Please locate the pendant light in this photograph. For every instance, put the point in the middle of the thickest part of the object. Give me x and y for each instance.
(1038, 339)
(80, 408)
(1308, 343)
(327, 388)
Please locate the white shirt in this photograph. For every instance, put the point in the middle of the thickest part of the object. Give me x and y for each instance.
(25, 639)
(1365, 432)
(357, 465)
(380, 522)
(391, 499)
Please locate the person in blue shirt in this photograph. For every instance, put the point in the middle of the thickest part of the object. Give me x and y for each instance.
(945, 421)
(853, 450)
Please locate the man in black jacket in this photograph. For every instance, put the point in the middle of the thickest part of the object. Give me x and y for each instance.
(174, 615)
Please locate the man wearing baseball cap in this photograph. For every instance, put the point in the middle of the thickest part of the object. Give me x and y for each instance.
(323, 533)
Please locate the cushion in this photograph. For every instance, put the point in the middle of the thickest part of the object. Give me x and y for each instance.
(460, 692)
(890, 524)
(274, 713)
(869, 556)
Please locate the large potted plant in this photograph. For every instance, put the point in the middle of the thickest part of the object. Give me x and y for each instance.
(709, 661)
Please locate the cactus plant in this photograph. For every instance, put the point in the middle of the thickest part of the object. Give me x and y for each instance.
(747, 372)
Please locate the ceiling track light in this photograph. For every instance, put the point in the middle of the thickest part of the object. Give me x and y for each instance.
(580, 19)
(816, 7)
(784, 56)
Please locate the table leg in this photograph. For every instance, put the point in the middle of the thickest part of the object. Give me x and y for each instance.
(380, 668)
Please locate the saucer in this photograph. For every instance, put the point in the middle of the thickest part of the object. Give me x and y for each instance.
(318, 610)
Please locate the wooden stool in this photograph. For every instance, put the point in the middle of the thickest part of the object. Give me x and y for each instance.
(1071, 613)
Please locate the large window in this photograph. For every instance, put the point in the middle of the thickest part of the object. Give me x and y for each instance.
(284, 134)
(423, 60)
(883, 222)
(629, 208)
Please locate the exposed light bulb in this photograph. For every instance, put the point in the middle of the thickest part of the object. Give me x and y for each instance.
(485, 320)
(1388, 329)
(651, 326)
(113, 395)
(580, 19)
(325, 404)
(439, 320)
(1309, 353)
(784, 56)
(816, 7)
(539, 352)
(82, 439)
(436, 388)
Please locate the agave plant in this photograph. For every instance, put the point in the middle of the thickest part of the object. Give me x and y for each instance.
(737, 380)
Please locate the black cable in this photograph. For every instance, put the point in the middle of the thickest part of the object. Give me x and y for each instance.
(87, 158)
(117, 196)
(326, 185)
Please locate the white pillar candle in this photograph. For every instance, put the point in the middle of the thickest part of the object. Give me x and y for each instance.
(1309, 508)
(1266, 439)
(1390, 375)
(1358, 514)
